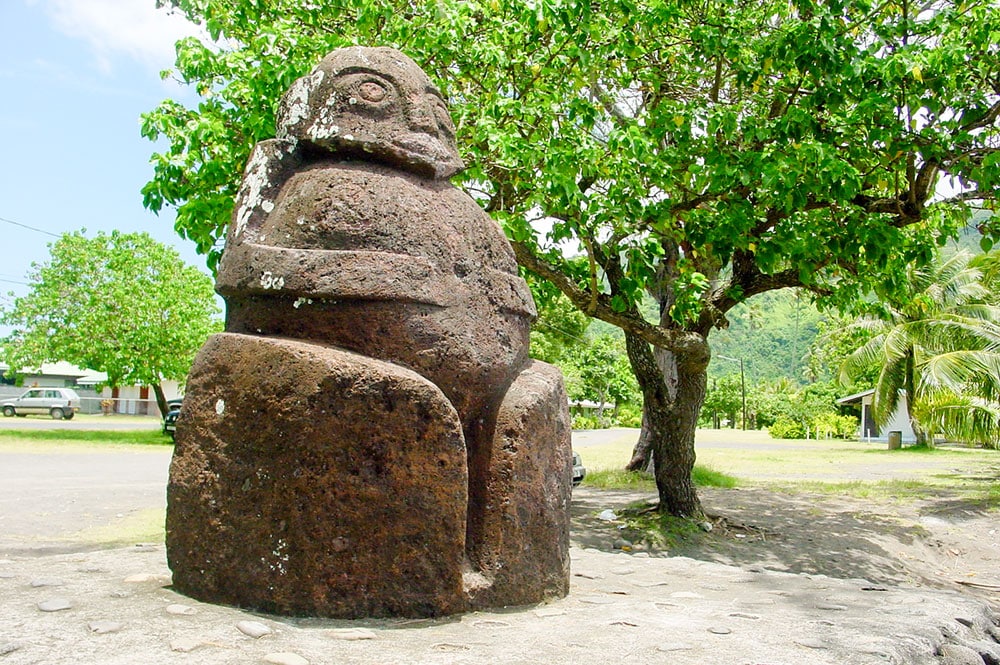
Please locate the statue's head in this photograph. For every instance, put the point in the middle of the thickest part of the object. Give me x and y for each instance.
(374, 104)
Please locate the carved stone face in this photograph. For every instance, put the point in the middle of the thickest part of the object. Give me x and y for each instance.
(373, 104)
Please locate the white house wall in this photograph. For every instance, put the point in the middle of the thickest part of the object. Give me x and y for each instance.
(899, 421)
(130, 399)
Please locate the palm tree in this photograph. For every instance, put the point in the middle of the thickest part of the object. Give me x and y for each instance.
(962, 385)
(939, 348)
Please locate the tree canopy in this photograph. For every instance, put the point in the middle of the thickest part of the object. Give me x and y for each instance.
(703, 153)
(122, 303)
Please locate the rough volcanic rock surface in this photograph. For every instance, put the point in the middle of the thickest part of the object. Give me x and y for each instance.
(309, 480)
(374, 379)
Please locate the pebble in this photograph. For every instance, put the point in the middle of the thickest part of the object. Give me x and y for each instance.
(146, 577)
(832, 607)
(254, 629)
(47, 581)
(54, 605)
(741, 615)
(674, 646)
(596, 600)
(285, 658)
(589, 576)
(184, 644)
(811, 644)
(685, 594)
(351, 634)
(490, 623)
(7, 576)
(955, 654)
(720, 630)
(184, 610)
(623, 571)
(607, 515)
(449, 646)
(9, 647)
(104, 627)
(549, 612)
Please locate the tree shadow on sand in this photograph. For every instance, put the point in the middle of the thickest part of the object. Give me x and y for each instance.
(838, 536)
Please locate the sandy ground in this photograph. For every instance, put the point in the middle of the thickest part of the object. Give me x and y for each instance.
(813, 581)
(781, 579)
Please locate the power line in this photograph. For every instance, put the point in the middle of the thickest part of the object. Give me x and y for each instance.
(12, 281)
(30, 228)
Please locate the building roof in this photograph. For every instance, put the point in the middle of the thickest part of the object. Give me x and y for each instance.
(856, 397)
(63, 368)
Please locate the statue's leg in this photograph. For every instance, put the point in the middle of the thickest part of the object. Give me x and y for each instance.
(519, 531)
(310, 480)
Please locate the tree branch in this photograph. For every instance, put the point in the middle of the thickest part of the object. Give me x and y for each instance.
(675, 340)
(987, 120)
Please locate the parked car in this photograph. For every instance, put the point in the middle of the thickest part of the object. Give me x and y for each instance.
(170, 420)
(579, 471)
(59, 403)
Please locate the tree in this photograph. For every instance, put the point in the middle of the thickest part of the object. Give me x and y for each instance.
(725, 396)
(702, 153)
(938, 347)
(560, 327)
(123, 304)
(604, 376)
(837, 339)
(961, 382)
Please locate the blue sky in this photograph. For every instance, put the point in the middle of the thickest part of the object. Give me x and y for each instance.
(75, 76)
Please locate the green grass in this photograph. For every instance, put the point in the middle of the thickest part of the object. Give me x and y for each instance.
(703, 476)
(57, 437)
(854, 468)
(864, 489)
(983, 495)
(654, 529)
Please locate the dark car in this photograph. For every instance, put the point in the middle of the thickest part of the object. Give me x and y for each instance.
(170, 420)
(579, 471)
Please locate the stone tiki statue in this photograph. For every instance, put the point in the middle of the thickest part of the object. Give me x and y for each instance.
(369, 436)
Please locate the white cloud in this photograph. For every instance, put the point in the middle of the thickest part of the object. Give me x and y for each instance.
(135, 29)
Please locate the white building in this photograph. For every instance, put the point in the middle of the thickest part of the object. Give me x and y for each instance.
(131, 400)
(869, 431)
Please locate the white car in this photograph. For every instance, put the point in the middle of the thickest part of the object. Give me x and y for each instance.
(58, 403)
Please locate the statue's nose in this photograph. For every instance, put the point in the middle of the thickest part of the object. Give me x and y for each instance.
(422, 117)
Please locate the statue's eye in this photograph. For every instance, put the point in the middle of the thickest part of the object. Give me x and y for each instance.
(444, 118)
(371, 91)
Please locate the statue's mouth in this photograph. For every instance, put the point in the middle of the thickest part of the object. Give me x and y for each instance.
(431, 155)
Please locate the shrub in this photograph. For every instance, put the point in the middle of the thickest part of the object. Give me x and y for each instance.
(629, 415)
(784, 427)
(828, 425)
(586, 422)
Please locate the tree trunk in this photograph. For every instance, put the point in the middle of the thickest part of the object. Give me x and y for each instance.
(161, 400)
(909, 390)
(642, 455)
(673, 388)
